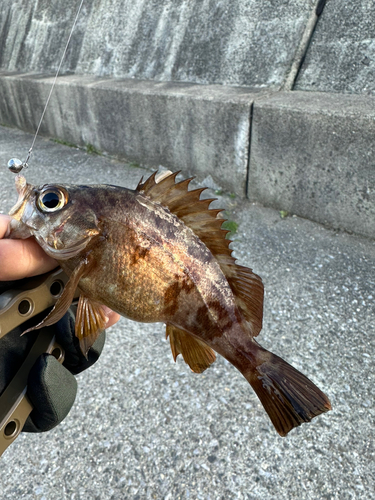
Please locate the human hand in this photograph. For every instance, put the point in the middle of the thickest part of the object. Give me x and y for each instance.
(21, 258)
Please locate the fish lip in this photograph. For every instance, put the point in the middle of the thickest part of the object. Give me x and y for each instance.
(63, 253)
(17, 230)
(24, 190)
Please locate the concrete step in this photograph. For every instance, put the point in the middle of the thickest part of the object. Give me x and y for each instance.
(201, 129)
(313, 154)
(308, 153)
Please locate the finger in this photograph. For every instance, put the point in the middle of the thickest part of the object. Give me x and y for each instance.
(4, 221)
(112, 316)
(22, 259)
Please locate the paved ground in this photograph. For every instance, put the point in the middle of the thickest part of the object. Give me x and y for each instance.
(144, 427)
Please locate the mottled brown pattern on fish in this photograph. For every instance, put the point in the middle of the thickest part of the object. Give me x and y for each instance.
(139, 253)
(175, 293)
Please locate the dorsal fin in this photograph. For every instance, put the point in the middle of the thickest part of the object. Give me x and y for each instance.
(196, 214)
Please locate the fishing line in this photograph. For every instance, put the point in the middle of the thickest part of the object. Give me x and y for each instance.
(14, 164)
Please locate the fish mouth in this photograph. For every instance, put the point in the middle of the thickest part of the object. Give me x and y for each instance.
(17, 230)
(63, 253)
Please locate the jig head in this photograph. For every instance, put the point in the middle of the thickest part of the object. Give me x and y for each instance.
(15, 165)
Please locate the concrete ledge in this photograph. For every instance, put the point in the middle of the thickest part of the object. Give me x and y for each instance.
(203, 130)
(313, 154)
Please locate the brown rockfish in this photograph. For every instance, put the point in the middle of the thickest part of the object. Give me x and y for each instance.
(158, 254)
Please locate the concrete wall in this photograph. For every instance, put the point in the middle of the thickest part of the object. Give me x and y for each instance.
(341, 57)
(232, 42)
(241, 90)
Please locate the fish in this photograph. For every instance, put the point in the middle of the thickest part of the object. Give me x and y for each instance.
(158, 253)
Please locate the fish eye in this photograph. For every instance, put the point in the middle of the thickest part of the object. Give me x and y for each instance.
(52, 199)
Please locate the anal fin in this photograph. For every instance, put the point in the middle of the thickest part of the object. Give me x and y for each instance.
(91, 320)
(195, 352)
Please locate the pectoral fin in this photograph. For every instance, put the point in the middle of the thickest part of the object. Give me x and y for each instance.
(91, 320)
(195, 352)
(64, 301)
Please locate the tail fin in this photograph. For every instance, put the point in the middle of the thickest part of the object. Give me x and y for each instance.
(289, 398)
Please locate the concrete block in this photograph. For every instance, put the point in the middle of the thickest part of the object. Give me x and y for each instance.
(235, 42)
(341, 57)
(313, 154)
(203, 130)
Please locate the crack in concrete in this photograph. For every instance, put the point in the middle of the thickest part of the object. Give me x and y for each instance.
(304, 45)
